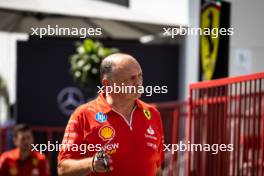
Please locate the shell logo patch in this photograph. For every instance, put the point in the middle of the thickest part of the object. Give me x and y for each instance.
(106, 132)
(13, 171)
(100, 117)
(147, 113)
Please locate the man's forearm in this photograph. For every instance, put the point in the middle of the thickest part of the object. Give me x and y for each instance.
(71, 167)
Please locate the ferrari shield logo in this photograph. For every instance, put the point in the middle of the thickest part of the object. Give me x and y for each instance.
(147, 113)
(210, 22)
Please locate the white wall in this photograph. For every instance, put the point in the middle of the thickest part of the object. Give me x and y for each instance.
(171, 12)
(8, 55)
(175, 11)
(189, 58)
(247, 20)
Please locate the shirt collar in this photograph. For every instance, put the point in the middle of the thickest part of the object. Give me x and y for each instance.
(104, 107)
(102, 104)
(16, 154)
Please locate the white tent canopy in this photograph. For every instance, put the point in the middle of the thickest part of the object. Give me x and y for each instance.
(23, 21)
(143, 18)
(166, 12)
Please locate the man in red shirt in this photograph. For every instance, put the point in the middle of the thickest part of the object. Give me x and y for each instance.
(22, 161)
(119, 125)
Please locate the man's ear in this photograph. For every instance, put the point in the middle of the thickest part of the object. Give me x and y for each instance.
(105, 82)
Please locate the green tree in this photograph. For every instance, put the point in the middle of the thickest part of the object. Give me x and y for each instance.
(3, 90)
(85, 63)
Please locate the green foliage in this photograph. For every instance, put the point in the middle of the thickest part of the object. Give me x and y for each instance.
(3, 90)
(85, 63)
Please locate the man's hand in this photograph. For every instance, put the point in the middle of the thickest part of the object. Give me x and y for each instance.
(159, 172)
(101, 162)
(83, 167)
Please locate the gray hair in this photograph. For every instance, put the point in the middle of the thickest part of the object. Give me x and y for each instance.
(106, 68)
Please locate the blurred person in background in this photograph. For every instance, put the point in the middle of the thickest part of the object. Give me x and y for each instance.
(21, 161)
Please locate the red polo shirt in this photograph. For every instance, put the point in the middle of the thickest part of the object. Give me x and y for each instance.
(34, 165)
(136, 147)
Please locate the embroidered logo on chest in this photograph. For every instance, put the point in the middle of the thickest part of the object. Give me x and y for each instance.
(147, 113)
(107, 133)
(150, 133)
(150, 130)
(100, 117)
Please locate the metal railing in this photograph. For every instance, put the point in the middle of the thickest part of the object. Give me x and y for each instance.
(227, 111)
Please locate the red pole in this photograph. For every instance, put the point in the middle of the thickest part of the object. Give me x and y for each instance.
(224, 115)
(259, 127)
(254, 163)
(229, 134)
(189, 131)
(234, 138)
(248, 125)
(215, 129)
(211, 129)
(239, 125)
(262, 131)
(244, 126)
(206, 133)
(198, 119)
(174, 139)
(221, 129)
(202, 120)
